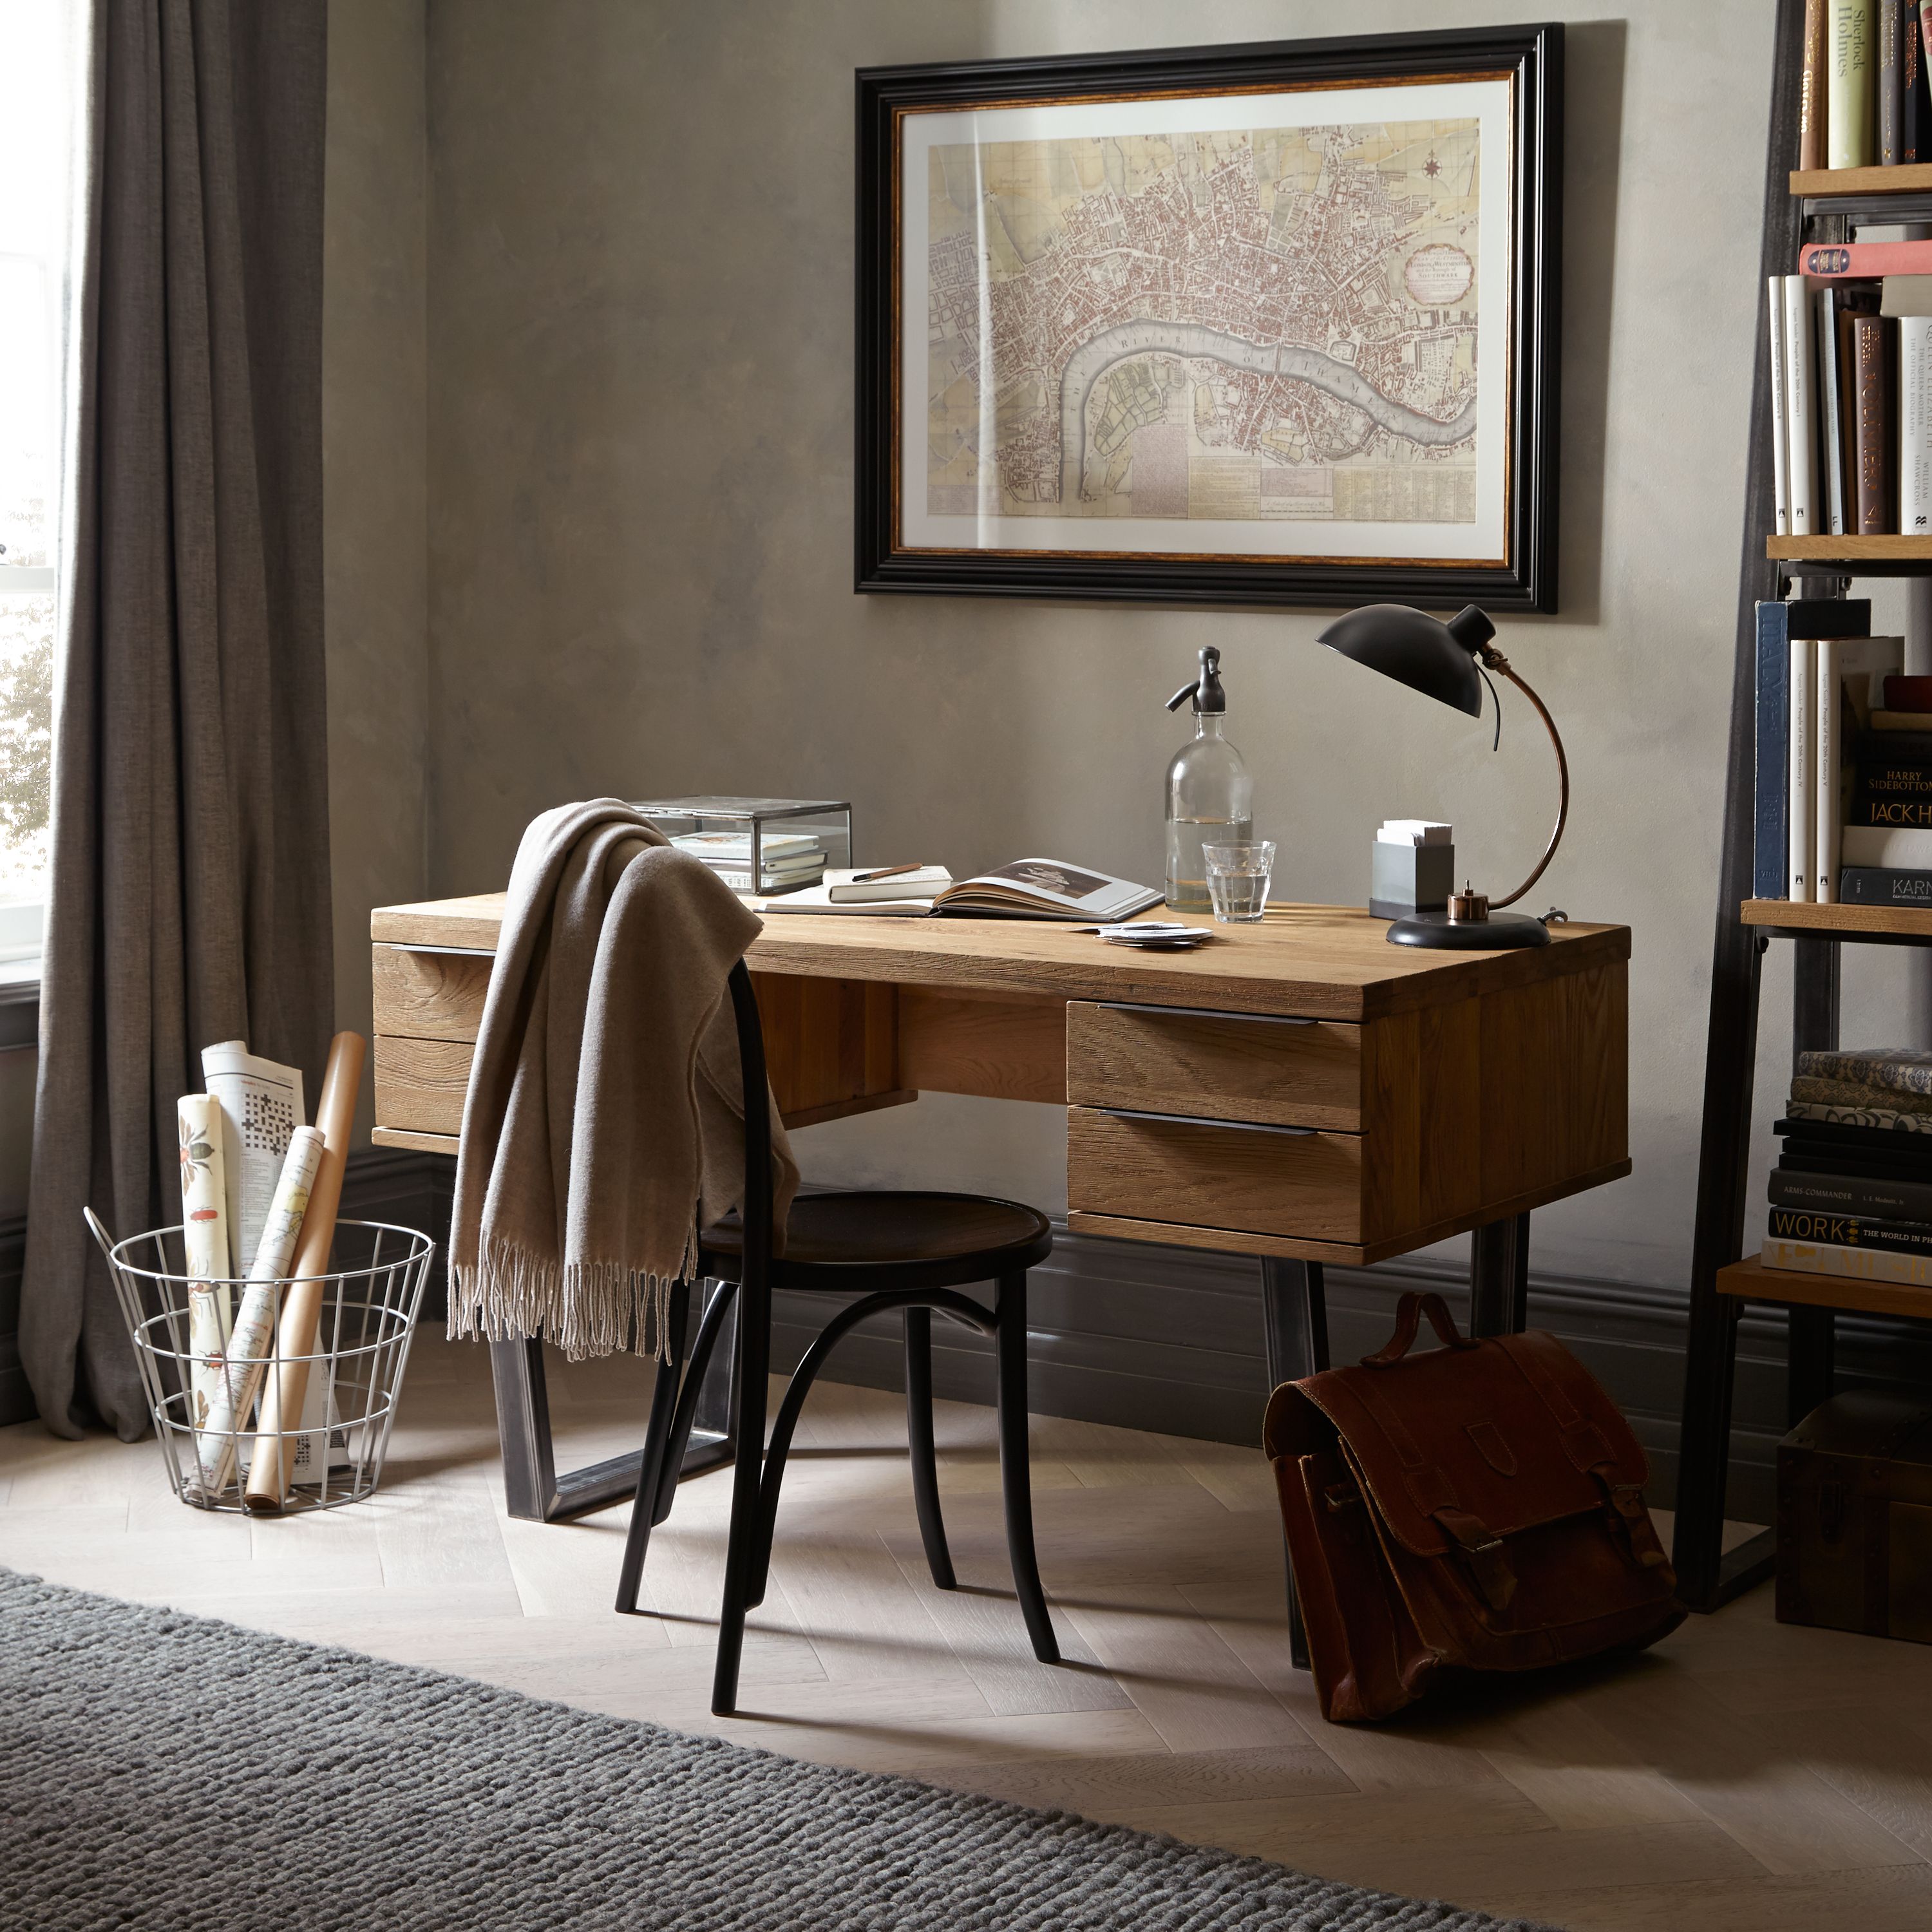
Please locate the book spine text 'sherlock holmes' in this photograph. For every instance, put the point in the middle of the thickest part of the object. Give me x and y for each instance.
(1848, 1231)
(1849, 91)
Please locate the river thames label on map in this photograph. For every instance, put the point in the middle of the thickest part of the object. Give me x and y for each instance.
(1260, 325)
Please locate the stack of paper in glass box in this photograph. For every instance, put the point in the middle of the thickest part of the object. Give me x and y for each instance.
(787, 860)
(1852, 1192)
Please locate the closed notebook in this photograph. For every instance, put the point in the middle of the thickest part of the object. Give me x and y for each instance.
(844, 886)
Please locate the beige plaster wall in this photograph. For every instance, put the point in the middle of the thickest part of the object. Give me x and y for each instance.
(638, 482)
(375, 481)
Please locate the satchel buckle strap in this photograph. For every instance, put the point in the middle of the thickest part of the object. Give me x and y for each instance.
(1482, 1550)
(1627, 1503)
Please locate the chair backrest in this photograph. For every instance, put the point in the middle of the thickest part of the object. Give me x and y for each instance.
(756, 1211)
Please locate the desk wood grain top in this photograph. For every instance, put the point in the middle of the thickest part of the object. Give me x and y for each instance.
(1330, 962)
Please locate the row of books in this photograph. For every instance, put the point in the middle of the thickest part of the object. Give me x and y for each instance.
(1864, 101)
(1851, 364)
(1852, 1192)
(1843, 797)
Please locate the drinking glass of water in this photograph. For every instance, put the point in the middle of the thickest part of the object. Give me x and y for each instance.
(1237, 879)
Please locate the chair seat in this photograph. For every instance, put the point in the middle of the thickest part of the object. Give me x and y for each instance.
(920, 1240)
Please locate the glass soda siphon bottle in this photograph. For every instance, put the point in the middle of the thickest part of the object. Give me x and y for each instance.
(1210, 795)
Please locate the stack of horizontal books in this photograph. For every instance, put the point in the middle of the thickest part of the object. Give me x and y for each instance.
(1852, 1192)
(787, 861)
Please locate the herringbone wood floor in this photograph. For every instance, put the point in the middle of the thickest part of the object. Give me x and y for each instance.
(1742, 1778)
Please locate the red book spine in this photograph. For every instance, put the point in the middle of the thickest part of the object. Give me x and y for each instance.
(1853, 261)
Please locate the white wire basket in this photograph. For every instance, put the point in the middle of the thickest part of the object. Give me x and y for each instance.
(332, 1449)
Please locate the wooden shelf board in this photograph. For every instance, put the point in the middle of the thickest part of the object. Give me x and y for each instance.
(1899, 921)
(1848, 550)
(1914, 179)
(1752, 1281)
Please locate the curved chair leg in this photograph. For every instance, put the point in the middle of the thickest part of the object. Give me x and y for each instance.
(650, 1472)
(741, 1555)
(709, 1329)
(1015, 1471)
(918, 1441)
(779, 1449)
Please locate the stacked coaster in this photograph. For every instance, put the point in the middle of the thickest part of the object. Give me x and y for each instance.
(1153, 936)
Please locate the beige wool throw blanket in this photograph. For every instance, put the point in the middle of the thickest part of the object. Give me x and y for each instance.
(603, 1125)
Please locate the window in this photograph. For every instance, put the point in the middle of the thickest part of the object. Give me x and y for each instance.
(36, 88)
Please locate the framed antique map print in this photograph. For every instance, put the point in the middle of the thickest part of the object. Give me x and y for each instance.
(1251, 325)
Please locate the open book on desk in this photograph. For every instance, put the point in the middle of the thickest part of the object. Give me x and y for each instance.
(1026, 888)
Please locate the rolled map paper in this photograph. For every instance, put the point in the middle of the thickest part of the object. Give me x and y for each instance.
(301, 1312)
(204, 1241)
(255, 1321)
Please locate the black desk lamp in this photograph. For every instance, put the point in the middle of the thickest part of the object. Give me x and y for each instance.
(1440, 661)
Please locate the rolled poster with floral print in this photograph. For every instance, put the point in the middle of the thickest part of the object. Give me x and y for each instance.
(249, 1345)
(204, 1239)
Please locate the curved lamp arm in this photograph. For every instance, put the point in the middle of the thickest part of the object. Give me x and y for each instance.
(1495, 661)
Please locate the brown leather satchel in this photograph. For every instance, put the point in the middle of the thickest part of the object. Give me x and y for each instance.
(1480, 1507)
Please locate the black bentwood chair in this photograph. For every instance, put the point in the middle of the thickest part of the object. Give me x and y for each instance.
(907, 1251)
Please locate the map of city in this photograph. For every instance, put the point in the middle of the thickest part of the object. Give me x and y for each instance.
(1247, 324)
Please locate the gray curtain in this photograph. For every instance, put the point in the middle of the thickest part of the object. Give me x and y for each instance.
(190, 898)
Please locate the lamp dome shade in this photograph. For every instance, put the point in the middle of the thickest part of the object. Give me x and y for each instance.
(1415, 649)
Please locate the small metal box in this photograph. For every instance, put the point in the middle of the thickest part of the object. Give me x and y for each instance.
(1855, 1517)
(1406, 879)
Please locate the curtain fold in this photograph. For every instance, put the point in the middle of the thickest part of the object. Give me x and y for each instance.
(190, 895)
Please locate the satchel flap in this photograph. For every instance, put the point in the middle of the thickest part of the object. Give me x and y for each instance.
(1512, 1433)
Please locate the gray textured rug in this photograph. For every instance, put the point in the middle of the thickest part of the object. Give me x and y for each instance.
(159, 1771)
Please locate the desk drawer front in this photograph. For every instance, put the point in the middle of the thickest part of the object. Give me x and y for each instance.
(429, 995)
(420, 1083)
(1206, 1173)
(1216, 1065)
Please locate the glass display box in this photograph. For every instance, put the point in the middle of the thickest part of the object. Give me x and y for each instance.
(752, 825)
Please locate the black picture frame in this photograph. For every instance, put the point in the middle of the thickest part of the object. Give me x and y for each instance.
(1531, 57)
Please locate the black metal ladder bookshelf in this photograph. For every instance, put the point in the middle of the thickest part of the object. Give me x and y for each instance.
(1825, 207)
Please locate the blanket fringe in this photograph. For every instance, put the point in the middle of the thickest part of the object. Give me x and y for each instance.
(585, 1308)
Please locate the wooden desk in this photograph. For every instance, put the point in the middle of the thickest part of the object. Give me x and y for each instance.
(1299, 1089)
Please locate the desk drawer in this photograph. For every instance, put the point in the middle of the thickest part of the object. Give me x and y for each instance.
(1234, 1066)
(429, 995)
(420, 1083)
(1262, 1180)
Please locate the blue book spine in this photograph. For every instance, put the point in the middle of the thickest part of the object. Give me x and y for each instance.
(1771, 870)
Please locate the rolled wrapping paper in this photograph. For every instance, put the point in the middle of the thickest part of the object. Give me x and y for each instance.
(255, 1321)
(205, 1242)
(301, 1310)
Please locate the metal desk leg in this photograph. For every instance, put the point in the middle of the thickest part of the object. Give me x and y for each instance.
(1706, 1578)
(1499, 1277)
(1294, 1320)
(1811, 1333)
(533, 1490)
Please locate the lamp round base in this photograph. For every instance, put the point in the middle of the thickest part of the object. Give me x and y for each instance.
(1501, 932)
